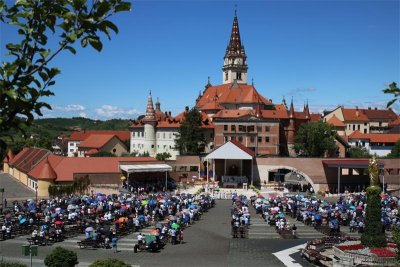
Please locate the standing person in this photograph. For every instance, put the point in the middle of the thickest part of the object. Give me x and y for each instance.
(114, 241)
(5, 203)
(294, 228)
(181, 236)
(3, 231)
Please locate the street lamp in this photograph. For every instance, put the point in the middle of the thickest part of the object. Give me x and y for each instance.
(36, 188)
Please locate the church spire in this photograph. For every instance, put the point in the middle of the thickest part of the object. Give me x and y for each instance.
(235, 66)
(291, 112)
(150, 113)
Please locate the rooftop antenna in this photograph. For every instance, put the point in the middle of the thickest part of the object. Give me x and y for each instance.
(235, 9)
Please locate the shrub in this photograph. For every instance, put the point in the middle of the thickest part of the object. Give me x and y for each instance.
(109, 263)
(61, 257)
(11, 264)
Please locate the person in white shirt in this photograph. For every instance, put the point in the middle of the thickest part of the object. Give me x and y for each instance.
(140, 238)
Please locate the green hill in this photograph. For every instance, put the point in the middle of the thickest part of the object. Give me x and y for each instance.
(44, 131)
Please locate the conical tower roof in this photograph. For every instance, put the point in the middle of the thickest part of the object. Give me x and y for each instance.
(235, 47)
(291, 111)
(150, 112)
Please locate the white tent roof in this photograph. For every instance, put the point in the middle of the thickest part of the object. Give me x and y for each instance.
(146, 168)
(229, 150)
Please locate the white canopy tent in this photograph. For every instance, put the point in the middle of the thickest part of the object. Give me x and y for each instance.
(231, 150)
(148, 168)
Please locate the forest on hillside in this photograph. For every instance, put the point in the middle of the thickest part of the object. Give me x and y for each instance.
(44, 131)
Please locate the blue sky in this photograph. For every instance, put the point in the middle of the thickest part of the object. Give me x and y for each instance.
(327, 52)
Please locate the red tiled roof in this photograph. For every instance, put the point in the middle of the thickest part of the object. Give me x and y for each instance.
(97, 140)
(43, 171)
(336, 122)
(230, 93)
(354, 114)
(8, 157)
(80, 136)
(66, 167)
(243, 147)
(376, 137)
(382, 114)
(212, 106)
(315, 117)
(395, 122)
(28, 158)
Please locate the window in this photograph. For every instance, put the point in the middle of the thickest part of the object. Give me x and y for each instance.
(71, 150)
(238, 75)
(251, 139)
(267, 128)
(259, 128)
(365, 124)
(354, 127)
(133, 145)
(358, 127)
(225, 127)
(233, 128)
(250, 128)
(267, 139)
(152, 146)
(170, 135)
(165, 146)
(114, 150)
(365, 130)
(194, 168)
(242, 128)
(158, 135)
(211, 135)
(259, 139)
(225, 139)
(240, 139)
(226, 75)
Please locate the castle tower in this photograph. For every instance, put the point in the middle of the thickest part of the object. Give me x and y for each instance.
(291, 131)
(235, 64)
(158, 105)
(150, 128)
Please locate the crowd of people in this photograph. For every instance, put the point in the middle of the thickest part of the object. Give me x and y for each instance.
(105, 217)
(348, 210)
(240, 220)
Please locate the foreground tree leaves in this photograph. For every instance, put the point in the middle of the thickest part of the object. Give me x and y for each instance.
(25, 79)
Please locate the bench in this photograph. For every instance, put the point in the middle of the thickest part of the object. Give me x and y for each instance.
(89, 243)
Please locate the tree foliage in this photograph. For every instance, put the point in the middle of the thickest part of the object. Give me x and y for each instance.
(109, 263)
(163, 156)
(396, 239)
(395, 152)
(104, 154)
(190, 139)
(26, 78)
(395, 91)
(358, 152)
(61, 257)
(315, 139)
(79, 186)
(373, 235)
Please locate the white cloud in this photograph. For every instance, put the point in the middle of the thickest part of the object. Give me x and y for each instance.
(83, 115)
(70, 107)
(108, 111)
(301, 91)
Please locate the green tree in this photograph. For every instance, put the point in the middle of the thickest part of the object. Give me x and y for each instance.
(109, 263)
(372, 235)
(395, 91)
(315, 139)
(358, 152)
(395, 152)
(25, 79)
(190, 138)
(163, 156)
(61, 257)
(104, 154)
(396, 239)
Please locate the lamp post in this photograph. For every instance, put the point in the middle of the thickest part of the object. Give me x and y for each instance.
(36, 188)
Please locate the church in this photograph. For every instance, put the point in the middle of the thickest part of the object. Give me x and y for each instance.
(231, 111)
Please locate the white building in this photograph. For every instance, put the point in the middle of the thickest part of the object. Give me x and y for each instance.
(375, 144)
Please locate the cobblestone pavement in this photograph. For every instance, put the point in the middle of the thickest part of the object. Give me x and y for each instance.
(207, 243)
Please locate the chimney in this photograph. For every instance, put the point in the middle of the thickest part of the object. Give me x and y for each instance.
(169, 113)
(369, 108)
(187, 109)
(356, 107)
(376, 108)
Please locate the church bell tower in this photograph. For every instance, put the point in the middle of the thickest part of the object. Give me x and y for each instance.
(235, 60)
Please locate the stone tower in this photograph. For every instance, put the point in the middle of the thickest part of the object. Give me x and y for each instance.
(235, 60)
(150, 128)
